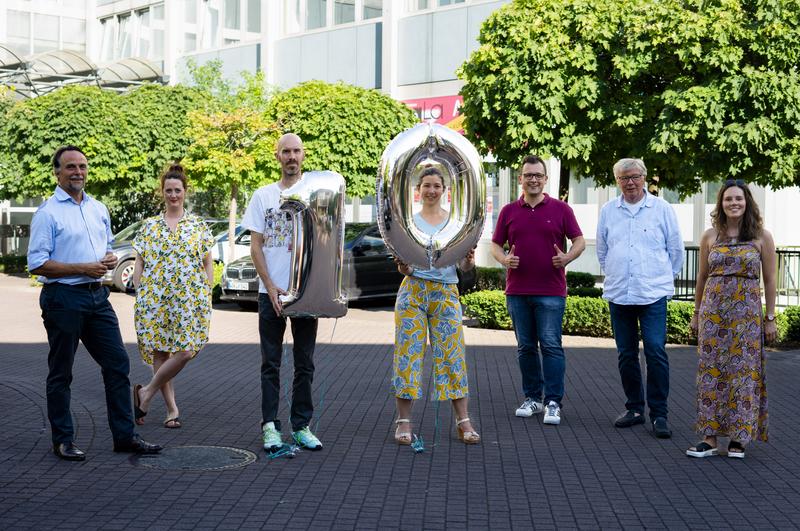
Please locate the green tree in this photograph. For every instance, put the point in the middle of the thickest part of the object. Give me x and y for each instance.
(700, 89)
(128, 139)
(344, 129)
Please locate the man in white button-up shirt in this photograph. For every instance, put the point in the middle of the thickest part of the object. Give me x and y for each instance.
(640, 250)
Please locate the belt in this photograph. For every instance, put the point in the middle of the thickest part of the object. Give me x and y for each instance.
(90, 286)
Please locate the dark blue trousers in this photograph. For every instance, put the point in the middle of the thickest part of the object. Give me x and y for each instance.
(80, 313)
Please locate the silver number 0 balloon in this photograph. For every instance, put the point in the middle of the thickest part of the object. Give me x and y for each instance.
(404, 159)
(316, 204)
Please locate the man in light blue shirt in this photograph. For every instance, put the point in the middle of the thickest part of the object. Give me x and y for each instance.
(640, 250)
(70, 250)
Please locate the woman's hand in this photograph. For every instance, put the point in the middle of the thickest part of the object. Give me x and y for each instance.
(770, 331)
(403, 268)
(693, 323)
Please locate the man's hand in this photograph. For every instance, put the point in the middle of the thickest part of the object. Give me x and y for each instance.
(560, 260)
(274, 293)
(109, 260)
(95, 269)
(468, 262)
(511, 261)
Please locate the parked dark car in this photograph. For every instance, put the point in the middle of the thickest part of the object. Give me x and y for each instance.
(369, 270)
(121, 277)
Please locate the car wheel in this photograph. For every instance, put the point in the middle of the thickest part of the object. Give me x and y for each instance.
(123, 276)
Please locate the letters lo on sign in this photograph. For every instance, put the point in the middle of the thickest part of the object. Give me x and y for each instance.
(316, 205)
(405, 158)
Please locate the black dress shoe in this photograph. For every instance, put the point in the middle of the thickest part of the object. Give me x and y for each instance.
(68, 451)
(136, 445)
(661, 428)
(628, 419)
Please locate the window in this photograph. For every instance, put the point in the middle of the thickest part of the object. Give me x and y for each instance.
(45, 33)
(158, 12)
(124, 37)
(316, 11)
(229, 42)
(449, 2)
(344, 11)
(254, 16)
(190, 11)
(233, 16)
(145, 34)
(73, 31)
(107, 27)
(210, 27)
(189, 42)
(373, 9)
(19, 30)
(291, 16)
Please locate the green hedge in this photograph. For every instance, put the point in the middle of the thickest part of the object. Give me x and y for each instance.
(587, 316)
(577, 279)
(13, 264)
(216, 291)
(490, 278)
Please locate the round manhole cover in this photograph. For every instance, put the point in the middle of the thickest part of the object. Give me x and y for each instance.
(196, 458)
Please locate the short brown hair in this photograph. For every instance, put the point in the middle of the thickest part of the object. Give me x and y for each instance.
(56, 160)
(533, 159)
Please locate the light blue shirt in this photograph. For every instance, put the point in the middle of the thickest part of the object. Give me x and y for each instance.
(65, 231)
(444, 275)
(640, 250)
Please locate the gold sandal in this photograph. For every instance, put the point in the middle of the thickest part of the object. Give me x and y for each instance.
(402, 438)
(467, 437)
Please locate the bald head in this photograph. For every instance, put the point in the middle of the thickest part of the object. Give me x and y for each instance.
(290, 155)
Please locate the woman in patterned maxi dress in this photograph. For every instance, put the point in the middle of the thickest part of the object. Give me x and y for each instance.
(427, 303)
(731, 385)
(173, 277)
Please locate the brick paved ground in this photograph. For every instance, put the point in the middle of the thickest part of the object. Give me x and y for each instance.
(581, 474)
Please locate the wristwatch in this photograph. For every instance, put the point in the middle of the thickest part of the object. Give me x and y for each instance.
(770, 317)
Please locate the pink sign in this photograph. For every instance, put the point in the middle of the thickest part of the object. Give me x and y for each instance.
(444, 110)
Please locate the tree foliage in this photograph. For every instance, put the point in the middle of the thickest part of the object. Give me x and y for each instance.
(128, 139)
(700, 89)
(344, 128)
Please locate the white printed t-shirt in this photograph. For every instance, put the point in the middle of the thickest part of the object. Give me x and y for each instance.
(263, 215)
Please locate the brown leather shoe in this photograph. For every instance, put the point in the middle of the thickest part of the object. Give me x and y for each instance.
(136, 445)
(68, 451)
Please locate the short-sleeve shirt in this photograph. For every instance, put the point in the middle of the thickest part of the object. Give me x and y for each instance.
(533, 231)
(264, 216)
(444, 275)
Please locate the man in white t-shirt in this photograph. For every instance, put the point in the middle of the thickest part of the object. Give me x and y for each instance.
(270, 247)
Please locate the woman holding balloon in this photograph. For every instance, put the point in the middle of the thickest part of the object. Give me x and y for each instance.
(428, 305)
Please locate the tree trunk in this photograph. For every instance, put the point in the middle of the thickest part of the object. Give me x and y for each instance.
(232, 224)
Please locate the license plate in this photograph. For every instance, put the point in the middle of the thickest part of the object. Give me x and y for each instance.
(241, 286)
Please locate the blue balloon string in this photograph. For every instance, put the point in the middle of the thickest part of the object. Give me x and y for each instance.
(286, 450)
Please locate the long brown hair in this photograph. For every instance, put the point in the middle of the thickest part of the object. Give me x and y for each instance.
(752, 224)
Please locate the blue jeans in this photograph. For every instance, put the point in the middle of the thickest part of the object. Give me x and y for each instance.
(73, 314)
(537, 324)
(626, 321)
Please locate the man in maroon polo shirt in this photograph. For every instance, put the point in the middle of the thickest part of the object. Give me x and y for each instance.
(535, 228)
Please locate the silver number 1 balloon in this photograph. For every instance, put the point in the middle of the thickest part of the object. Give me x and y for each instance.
(404, 159)
(316, 204)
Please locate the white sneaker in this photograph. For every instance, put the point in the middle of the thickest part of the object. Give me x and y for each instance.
(552, 414)
(271, 437)
(529, 407)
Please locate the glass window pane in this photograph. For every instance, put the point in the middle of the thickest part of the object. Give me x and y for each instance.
(143, 46)
(158, 12)
(316, 11)
(373, 8)
(45, 33)
(190, 11)
(124, 38)
(18, 24)
(74, 30)
(344, 11)
(189, 42)
(254, 16)
(291, 16)
(233, 18)
(210, 28)
(107, 43)
(158, 45)
(228, 42)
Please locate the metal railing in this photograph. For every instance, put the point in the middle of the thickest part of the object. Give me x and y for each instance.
(787, 279)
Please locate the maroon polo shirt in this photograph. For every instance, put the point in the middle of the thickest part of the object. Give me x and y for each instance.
(533, 231)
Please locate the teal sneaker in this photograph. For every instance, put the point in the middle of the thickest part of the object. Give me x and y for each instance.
(305, 439)
(272, 437)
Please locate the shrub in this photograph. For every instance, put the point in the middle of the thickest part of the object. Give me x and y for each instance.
(679, 314)
(585, 291)
(489, 308)
(13, 264)
(491, 278)
(576, 279)
(789, 325)
(585, 316)
(216, 291)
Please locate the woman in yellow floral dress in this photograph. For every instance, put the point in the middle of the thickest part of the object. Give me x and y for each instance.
(173, 277)
(730, 325)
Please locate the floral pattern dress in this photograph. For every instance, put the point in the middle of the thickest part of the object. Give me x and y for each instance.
(173, 302)
(731, 387)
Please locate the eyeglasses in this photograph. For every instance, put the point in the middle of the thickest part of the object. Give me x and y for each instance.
(735, 182)
(534, 176)
(634, 177)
